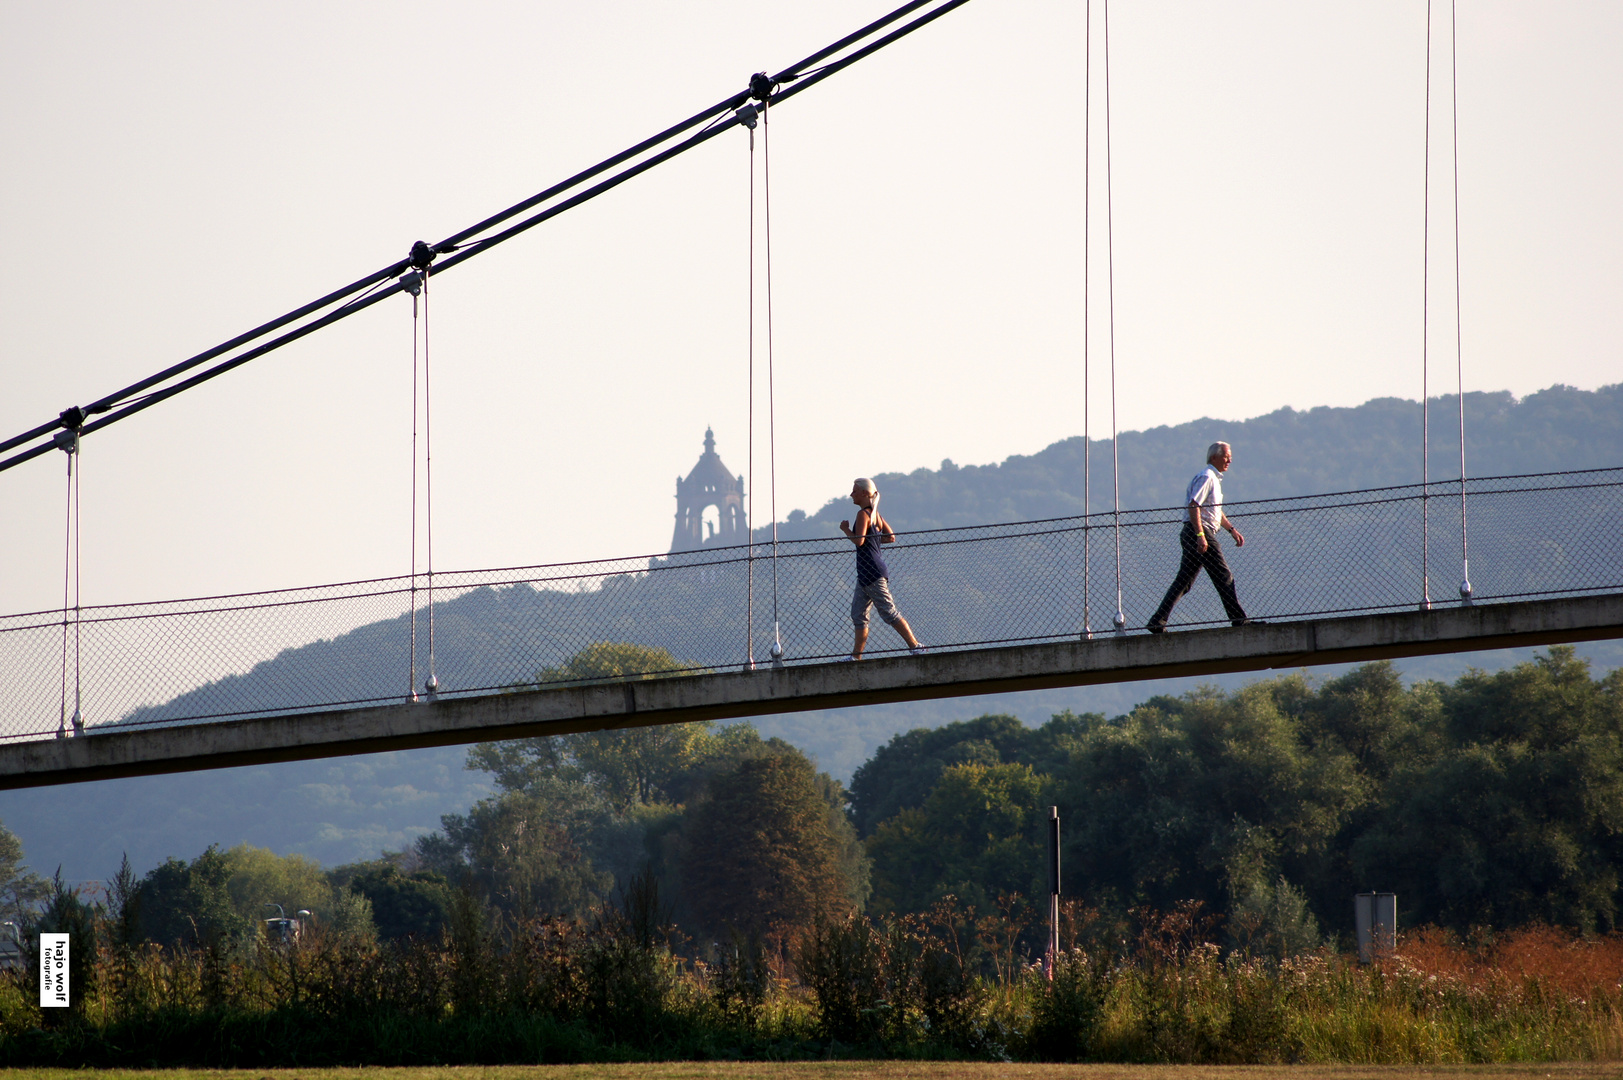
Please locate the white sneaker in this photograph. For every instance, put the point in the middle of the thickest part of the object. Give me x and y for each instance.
(848, 659)
(918, 650)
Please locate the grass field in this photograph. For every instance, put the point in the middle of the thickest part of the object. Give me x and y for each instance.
(858, 1070)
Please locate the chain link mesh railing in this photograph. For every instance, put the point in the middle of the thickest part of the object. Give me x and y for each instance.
(255, 654)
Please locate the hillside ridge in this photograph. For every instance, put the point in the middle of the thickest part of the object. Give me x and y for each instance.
(347, 809)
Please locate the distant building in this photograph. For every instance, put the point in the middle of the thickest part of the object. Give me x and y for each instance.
(709, 504)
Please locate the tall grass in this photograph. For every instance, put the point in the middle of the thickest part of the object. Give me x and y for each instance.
(942, 984)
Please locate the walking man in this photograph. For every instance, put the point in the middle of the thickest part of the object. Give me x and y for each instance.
(873, 576)
(1198, 539)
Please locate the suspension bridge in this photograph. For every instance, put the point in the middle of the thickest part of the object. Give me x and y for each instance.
(207, 682)
(645, 702)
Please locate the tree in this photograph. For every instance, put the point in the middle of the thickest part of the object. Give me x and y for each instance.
(904, 771)
(415, 904)
(1370, 715)
(581, 812)
(639, 766)
(1520, 818)
(222, 898)
(635, 766)
(628, 767)
(614, 660)
(523, 850)
(1208, 796)
(976, 837)
(189, 904)
(517, 763)
(763, 854)
(20, 888)
(1497, 800)
(1274, 922)
(854, 866)
(259, 880)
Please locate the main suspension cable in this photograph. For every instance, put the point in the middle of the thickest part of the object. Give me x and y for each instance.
(464, 245)
(1120, 620)
(1459, 347)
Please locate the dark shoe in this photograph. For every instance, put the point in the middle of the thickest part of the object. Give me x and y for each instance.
(1250, 622)
(1157, 628)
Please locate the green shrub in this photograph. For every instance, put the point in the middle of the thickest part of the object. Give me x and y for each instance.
(609, 988)
(1067, 1011)
(843, 964)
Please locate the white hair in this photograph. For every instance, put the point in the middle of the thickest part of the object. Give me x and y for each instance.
(871, 488)
(1216, 449)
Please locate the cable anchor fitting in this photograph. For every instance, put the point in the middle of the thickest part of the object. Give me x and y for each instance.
(73, 420)
(749, 116)
(67, 440)
(762, 86)
(422, 255)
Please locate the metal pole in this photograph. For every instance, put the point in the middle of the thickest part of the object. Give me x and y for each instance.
(1053, 891)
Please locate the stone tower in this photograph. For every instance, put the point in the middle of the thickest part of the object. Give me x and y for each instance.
(709, 485)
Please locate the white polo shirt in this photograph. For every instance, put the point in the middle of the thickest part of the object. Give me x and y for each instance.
(1206, 491)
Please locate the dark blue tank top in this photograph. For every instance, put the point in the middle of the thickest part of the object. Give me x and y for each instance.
(870, 563)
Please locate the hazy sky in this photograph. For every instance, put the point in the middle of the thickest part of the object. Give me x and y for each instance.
(176, 173)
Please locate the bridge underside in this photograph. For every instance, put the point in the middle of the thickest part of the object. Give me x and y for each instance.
(729, 695)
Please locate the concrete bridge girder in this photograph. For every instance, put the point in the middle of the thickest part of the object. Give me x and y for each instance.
(729, 695)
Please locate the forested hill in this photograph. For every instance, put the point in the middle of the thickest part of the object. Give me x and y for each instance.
(1283, 453)
(345, 809)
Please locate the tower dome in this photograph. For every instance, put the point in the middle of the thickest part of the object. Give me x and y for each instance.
(708, 486)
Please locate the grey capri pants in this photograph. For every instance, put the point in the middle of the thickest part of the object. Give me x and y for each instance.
(875, 595)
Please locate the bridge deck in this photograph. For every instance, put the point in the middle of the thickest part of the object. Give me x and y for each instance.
(765, 691)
